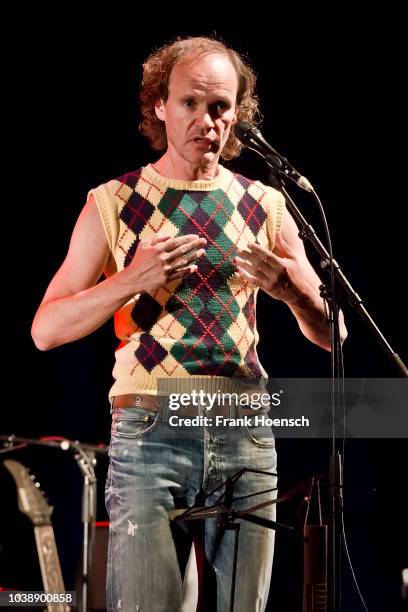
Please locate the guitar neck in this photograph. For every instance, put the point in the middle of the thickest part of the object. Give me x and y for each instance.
(50, 565)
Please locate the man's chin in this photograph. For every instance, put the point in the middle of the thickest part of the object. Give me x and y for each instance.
(205, 159)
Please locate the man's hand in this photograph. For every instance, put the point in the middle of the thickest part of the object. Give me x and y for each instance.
(287, 275)
(281, 276)
(163, 259)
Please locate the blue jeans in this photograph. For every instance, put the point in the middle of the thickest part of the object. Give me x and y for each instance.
(154, 465)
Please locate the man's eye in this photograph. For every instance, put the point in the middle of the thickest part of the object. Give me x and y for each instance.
(189, 103)
(221, 107)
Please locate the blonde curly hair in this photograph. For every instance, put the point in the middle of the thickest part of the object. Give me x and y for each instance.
(155, 86)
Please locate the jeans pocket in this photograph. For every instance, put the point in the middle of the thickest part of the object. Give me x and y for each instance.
(258, 432)
(133, 422)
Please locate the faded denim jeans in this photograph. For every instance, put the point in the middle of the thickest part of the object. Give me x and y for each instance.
(153, 465)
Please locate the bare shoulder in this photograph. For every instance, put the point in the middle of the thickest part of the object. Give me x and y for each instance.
(87, 255)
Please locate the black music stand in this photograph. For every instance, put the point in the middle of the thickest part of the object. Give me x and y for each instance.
(227, 517)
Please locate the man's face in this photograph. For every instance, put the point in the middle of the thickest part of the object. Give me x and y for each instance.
(200, 108)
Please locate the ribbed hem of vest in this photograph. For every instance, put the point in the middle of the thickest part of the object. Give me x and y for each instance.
(221, 181)
(209, 384)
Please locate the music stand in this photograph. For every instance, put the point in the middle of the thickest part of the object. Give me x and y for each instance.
(227, 516)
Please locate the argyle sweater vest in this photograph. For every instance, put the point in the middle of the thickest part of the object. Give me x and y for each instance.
(203, 325)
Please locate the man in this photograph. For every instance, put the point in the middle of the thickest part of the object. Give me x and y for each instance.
(184, 244)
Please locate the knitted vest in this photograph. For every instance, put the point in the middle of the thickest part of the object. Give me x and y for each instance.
(203, 325)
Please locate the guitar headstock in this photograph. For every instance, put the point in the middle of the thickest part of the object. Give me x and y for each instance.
(31, 500)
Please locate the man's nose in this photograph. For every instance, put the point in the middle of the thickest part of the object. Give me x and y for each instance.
(204, 119)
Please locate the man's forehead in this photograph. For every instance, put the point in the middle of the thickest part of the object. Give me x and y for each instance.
(212, 70)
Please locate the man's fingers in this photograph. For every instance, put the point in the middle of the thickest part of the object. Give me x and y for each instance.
(255, 260)
(251, 280)
(176, 252)
(186, 259)
(263, 254)
(187, 251)
(182, 244)
(254, 271)
(189, 248)
(156, 239)
(181, 272)
(249, 257)
(173, 263)
(258, 250)
(267, 256)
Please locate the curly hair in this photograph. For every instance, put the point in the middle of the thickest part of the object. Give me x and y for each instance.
(155, 86)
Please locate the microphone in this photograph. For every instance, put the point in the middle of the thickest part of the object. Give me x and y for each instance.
(252, 138)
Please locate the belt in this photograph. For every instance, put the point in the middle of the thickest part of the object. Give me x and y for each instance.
(159, 403)
(140, 400)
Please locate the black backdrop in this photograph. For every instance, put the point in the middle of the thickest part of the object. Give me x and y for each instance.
(331, 100)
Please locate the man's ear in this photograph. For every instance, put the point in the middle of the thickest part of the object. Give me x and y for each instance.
(160, 110)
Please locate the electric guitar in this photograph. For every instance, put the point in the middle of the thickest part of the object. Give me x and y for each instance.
(31, 501)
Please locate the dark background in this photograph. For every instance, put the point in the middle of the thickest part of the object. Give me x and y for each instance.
(331, 95)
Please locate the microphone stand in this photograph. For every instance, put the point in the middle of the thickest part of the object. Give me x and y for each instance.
(336, 460)
(86, 463)
(278, 172)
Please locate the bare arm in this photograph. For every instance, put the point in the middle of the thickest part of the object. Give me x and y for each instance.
(287, 275)
(74, 305)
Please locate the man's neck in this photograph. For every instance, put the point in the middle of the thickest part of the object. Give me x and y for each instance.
(182, 170)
